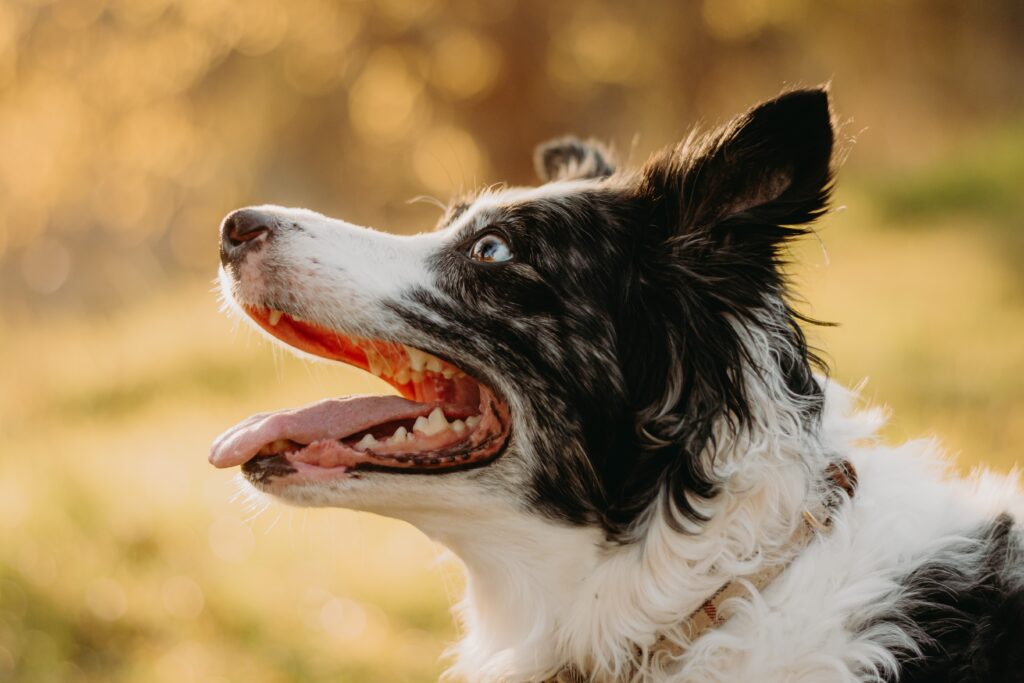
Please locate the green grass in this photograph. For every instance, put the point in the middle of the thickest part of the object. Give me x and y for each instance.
(982, 179)
(979, 185)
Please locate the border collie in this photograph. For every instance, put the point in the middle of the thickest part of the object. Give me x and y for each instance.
(608, 410)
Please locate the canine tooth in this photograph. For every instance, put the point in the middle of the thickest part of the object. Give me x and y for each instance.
(458, 426)
(274, 317)
(437, 419)
(416, 376)
(401, 435)
(402, 377)
(366, 442)
(433, 364)
(472, 421)
(448, 373)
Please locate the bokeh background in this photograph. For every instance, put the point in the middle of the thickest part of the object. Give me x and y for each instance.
(128, 128)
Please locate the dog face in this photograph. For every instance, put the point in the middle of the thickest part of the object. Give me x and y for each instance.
(569, 351)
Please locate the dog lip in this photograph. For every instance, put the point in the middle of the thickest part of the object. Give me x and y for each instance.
(416, 374)
(336, 435)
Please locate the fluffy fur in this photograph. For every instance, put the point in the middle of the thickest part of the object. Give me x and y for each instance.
(669, 427)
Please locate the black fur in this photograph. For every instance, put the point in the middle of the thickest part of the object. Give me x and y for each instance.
(621, 286)
(966, 606)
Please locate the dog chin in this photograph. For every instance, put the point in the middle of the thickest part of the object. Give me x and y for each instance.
(408, 497)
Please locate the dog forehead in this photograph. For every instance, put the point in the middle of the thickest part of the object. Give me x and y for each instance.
(492, 202)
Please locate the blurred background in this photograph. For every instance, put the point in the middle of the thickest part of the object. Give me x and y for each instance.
(128, 128)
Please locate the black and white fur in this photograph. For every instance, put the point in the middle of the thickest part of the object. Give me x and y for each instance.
(668, 427)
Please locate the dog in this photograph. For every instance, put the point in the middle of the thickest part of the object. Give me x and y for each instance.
(608, 410)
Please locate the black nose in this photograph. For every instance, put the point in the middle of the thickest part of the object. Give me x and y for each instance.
(243, 231)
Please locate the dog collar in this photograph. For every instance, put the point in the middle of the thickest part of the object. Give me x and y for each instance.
(841, 479)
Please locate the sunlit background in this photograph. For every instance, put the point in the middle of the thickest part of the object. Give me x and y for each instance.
(128, 128)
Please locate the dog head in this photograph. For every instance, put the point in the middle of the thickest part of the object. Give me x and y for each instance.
(572, 351)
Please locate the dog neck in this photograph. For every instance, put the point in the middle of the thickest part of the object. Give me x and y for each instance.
(542, 595)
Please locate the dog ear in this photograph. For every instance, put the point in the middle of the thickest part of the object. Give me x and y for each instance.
(769, 168)
(570, 158)
(712, 216)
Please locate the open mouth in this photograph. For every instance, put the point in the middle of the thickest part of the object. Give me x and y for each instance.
(443, 420)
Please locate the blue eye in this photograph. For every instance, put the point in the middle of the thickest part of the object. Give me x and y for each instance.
(491, 249)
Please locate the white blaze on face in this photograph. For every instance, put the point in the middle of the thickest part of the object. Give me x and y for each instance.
(339, 274)
(335, 272)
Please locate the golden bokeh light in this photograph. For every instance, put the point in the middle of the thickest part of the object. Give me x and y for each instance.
(464, 64)
(733, 20)
(262, 26)
(447, 160)
(182, 597)
(129, 128)
(604, 50)
(46, 265)
(231, 539)
(384, 102)
(106, 598)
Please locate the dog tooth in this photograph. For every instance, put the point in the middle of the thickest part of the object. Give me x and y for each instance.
(421, 425)
(448, 372)
(437, 420)
(435, 423)
(472, 422)
(458, 426)
(416, 376)
(401, 435)
(417, 358)
(433, 364)
(274, 317)
(276, 446)
(366, 442)
(402, 377)
(375, 362)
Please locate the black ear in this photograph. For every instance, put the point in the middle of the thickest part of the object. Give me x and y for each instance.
(712, 217)
(769, 167)
(570, 158)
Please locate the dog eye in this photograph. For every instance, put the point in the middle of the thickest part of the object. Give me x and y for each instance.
(491, 248)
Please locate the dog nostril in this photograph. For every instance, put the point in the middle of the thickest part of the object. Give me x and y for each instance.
(246, 225)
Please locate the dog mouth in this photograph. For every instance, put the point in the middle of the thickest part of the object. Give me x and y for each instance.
(442, 421)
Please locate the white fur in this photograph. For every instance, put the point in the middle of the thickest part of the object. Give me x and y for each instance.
(333, 271)
(534, 606)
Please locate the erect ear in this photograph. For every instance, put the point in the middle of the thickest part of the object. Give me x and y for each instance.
(570, 158)
(712, 216)
(768, 168)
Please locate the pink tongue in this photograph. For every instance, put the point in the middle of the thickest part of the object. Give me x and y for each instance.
(334, 418)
